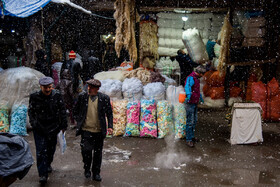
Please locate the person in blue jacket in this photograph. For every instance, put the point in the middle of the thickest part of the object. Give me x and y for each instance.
(193, 96)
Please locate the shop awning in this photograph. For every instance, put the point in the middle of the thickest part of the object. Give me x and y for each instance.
(25, 8)
(22, 8)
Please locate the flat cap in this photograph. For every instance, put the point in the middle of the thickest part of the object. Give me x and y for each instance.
(94, 82)
(45, 81)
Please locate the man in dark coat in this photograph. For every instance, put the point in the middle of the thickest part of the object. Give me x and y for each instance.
(41, 63)
(47, 115)
(90, 112)
(91, 65)
(186, 65)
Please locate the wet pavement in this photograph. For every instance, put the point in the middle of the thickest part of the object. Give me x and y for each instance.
(165, 162)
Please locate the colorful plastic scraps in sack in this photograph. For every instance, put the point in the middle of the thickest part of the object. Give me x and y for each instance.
(119, 117)
(180, 120)
(4, 119)
(148, 124)
(133, 115)
(164, 119)
(18, 120)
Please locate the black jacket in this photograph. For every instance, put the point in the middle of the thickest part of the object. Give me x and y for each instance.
(104, 110)
(41, 64)
(71, 70)
(47, 114)
(186, 66)
(91, 66)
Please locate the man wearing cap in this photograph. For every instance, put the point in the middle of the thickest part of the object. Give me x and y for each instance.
(192, 89)
(47, 115)
(90, 112)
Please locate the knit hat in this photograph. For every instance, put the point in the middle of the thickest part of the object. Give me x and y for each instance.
(200, 69)
(72, 55)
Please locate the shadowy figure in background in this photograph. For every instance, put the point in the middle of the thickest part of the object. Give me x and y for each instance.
(47, 116)
(91, 65)
(41, 63)
(186, 65)
(70, 83)
(110, 58)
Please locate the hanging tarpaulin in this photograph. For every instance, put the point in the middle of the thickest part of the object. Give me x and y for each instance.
(68, 2)
(25, 8)
(22, 8)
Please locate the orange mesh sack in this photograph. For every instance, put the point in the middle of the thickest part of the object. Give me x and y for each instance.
(258, 92)
(217, 92)
(127, 65)
(274, 112)
(273, 104)
(206, 90)
(235, 91)
(216, 80)
(264, 108)
(273, 87)
(252, 78)
(207, 75)
(259, 95)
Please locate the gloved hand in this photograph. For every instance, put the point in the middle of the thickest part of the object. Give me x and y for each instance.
(188, 97)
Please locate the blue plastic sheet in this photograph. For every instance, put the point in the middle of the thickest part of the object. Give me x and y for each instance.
(22, 8)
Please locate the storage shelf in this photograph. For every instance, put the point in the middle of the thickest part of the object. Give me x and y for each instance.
(251, 62)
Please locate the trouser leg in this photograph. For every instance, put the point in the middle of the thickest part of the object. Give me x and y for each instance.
(97, 155)
(194, 118)
(87, 159)
(190, 122)
(86, 149)
(51, 146)
(41, 154)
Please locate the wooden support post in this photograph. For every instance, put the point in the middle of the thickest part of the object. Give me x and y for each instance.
(137, 35)
(227, 85)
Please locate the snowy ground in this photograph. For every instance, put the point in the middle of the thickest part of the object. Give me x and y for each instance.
(159, 162)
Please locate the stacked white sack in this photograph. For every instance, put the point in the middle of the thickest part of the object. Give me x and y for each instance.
(155, 90)
(17, 84)
(115, 75)
(195, 45)
(132, 89)
(166, 66)
(112, 88)
(214, 103)
(172, 93)
(168, 81)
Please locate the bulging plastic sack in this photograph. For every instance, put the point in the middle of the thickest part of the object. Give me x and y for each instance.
(19, 120)
(112, 88)
(17, 84)
(133, 119)
(119, 117)
(195, 46)
(132, 89)
(155, 90)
